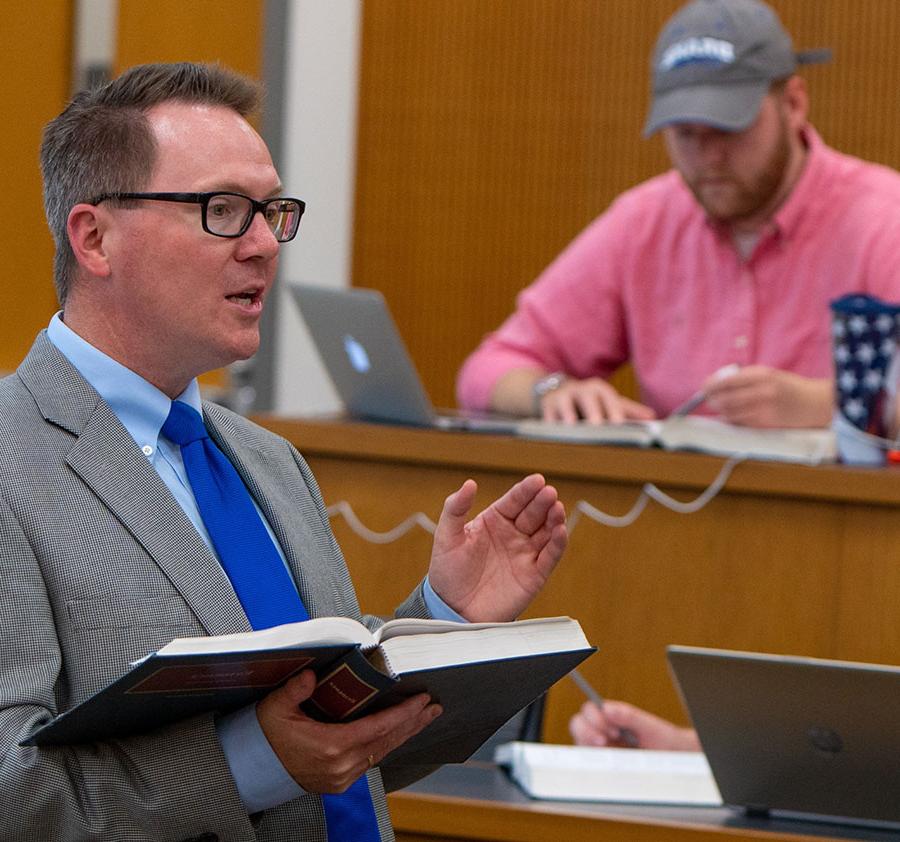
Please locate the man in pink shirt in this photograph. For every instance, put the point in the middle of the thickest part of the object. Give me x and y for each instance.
(729, 259)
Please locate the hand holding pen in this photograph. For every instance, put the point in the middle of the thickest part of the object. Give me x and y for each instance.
(700, 395)
(762, 396)
(626, 736)
(596, 724)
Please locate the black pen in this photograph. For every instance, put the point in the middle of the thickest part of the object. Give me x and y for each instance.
(626, 735)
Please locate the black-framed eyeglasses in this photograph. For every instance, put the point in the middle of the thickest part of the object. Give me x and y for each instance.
(230, 214)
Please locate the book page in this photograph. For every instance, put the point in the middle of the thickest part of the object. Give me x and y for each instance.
(695, 432)
(411, 625)
(456, 643)
(642, 433)
(710, 435)
(581, 773)
(320, 630)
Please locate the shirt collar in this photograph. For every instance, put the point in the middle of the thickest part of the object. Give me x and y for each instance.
(815, 171)
(137, 403)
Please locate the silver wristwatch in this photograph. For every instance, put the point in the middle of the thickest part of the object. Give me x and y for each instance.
(544, 386)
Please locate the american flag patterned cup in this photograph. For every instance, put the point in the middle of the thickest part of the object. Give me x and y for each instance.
(865, 333)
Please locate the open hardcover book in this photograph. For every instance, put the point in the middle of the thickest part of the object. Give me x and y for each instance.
(625, 775)
(481, 673)
(699, 433)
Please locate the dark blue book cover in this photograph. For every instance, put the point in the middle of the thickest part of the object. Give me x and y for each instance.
(477, 692)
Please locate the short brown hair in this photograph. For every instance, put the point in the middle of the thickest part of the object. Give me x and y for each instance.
(103, 143)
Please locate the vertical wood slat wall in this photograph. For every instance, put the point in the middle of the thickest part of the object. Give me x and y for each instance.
(228, 31)
(492, 131)
(35, 63)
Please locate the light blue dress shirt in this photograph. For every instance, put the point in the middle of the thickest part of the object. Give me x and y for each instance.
(259, 776)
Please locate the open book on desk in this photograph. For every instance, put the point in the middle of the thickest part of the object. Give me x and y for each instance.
(481, 673)
(622, 775)
(698, 433)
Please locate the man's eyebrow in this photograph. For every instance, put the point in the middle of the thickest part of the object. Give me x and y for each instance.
(231, 187)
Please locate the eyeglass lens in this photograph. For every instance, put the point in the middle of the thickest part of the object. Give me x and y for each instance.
(230, 215)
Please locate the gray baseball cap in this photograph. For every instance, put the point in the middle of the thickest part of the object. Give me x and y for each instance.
(715, 60)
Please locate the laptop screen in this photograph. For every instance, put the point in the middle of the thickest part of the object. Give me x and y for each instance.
(364, 354)
(796, 736)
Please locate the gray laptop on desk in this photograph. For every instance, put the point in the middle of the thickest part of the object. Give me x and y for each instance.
(796, 737)
(364, 354)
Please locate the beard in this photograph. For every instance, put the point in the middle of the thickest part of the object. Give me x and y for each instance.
(730, 197)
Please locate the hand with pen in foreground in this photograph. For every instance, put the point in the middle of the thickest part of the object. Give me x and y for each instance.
(595, 726)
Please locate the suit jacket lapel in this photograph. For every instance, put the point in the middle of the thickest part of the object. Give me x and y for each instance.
(109, 462)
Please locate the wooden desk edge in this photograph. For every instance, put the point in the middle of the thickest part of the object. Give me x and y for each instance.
(466, 818)
(690, 471)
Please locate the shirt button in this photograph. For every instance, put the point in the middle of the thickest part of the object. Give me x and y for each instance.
(148, 451)
(740, 342)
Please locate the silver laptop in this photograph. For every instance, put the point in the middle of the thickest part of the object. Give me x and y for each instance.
(796, 737)
(364, 354)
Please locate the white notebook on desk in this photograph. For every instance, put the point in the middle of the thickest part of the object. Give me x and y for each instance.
(698, 433)
(622, 775)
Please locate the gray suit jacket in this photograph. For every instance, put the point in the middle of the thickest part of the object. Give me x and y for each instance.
(99, 566)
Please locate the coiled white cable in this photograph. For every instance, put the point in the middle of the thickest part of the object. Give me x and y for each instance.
(648, 492)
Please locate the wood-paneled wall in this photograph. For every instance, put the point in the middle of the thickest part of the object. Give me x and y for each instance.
(35, 63)
(492, 131)
(229, 31)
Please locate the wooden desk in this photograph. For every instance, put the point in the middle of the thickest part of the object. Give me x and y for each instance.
(787, 558)
(477, 802)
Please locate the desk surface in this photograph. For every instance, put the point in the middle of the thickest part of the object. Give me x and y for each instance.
(476, 801)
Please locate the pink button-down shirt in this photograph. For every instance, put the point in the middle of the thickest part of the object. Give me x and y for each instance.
(653, 281)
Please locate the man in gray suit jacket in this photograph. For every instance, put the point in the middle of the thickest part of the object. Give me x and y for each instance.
(103, 553)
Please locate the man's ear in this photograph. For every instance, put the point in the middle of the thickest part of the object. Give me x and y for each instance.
(86, 227)
(796, 99)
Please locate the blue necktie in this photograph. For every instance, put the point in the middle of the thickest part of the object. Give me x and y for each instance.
(257, 573)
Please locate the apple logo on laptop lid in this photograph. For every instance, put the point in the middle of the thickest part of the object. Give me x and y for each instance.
(357, 355)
